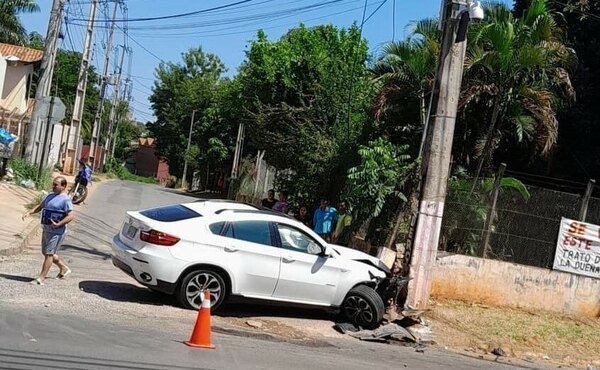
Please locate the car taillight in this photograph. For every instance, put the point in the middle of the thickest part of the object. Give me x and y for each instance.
(158, 238)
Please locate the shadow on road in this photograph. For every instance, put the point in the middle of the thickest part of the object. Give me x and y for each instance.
(238, 307)
(123, 292)
(93, 252)
(24, 279)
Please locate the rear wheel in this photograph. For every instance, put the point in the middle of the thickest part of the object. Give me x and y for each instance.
(194, 283)
(363, 307)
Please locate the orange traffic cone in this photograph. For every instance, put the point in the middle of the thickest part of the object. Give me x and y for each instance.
(201, 334)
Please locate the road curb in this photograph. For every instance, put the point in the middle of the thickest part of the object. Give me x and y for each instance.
(22, 239)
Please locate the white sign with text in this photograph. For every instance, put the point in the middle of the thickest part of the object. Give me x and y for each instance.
(578, 248)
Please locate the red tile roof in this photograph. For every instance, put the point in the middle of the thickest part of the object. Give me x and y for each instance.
(25, 55)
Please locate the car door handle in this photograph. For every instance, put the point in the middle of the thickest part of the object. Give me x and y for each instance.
(230, 249)
(288, 260)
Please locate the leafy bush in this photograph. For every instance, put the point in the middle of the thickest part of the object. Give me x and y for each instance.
(24, 170)
(379, 175)
(172, 182)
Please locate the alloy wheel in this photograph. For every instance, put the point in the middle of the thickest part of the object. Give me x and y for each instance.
(358, 310)
(200, 282)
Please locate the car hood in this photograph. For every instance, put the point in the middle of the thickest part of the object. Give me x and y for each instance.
(353, 254)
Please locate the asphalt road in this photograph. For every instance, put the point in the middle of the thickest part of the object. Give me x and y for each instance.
(99, 318)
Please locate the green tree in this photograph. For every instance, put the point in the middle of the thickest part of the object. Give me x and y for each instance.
(575, 156)
(404, 74)
(307, 100)
(127, 131)
(377, 177)
(11, 28)
(181, 88)
(35, 41)
(66, 72)
(516, 79)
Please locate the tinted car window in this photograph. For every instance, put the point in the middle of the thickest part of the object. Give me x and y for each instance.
(251, 231)
(216, 228)
(170, 213)
(296, 240)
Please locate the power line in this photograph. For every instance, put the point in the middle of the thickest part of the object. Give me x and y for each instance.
(243, 19)
(218, 34)
(134, 40)
(181, 14)
(374, 11)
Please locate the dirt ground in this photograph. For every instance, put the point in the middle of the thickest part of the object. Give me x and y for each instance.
(527, 335)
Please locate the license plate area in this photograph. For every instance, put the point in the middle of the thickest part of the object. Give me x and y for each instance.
(129, 231)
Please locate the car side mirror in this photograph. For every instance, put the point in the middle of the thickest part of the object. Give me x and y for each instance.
(327, 252)
(314, 249)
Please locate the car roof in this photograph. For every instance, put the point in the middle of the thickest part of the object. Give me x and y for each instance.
(214, 206)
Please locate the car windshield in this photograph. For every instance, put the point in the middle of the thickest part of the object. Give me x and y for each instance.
(170, 213)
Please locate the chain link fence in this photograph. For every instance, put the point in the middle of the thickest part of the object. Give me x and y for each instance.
(524, 230)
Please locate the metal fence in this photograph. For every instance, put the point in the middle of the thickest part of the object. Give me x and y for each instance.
(523, 230)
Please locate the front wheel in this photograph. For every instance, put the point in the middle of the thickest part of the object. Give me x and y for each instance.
(193, 284)
(363, 307)
(78, 193)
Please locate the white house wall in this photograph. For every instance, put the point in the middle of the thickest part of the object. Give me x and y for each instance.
(14, 91)
(2, 73)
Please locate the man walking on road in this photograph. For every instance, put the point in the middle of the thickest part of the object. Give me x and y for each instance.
(57, 212)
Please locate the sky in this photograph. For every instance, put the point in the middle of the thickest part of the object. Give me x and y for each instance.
(225, 32)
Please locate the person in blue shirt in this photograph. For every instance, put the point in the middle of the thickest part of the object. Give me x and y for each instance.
(57, 212)
(324, 220)
(84, 177)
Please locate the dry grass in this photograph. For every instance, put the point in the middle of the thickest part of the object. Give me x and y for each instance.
(522, 334)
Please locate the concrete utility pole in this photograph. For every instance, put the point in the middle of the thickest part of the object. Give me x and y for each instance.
(185, 164)
(47, 134)
(455, 17)
(109, 142)
(73, 151)
(239, 148)
(100, 109)
(37, 128)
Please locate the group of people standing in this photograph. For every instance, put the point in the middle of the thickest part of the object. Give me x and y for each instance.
(332, 224)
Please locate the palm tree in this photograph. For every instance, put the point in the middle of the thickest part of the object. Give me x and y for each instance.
(516, 77)
(406, 69)
(11, 29)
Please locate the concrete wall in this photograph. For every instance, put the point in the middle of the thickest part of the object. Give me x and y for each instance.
(497, 283)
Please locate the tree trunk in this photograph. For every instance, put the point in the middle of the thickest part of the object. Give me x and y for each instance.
(207, 175)
(488, 142)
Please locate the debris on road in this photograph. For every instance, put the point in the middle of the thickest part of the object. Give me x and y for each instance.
(421, 349)
(384, 334)
(346, 327)
(498, 351)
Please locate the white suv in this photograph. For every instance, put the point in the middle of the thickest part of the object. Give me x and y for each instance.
(234, 248)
